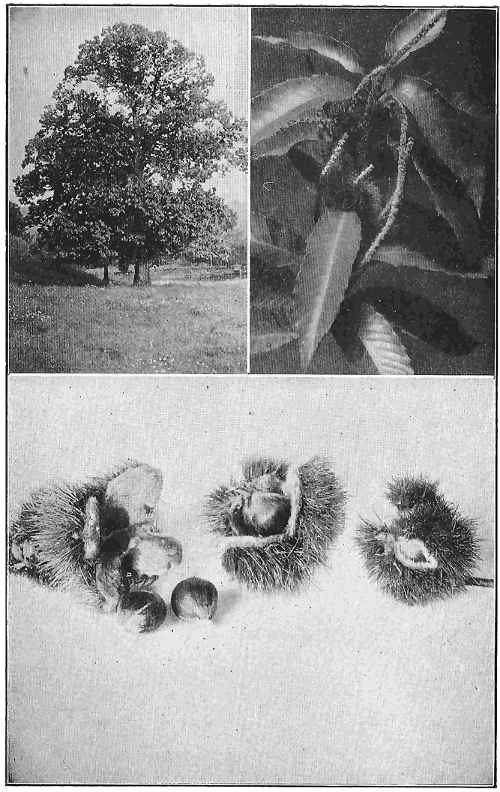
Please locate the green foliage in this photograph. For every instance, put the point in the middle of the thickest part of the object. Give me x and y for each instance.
(118, 165)
(394, 152)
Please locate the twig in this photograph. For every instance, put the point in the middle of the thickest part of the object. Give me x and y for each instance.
(479, 581)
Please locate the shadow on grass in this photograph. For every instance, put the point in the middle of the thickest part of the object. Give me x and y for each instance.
(25, 267)
(48, 274)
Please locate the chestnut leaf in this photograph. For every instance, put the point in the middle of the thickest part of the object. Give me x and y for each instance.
(382, 343)
(323, 277)
(408, 35)
(444, 131)
(293, 99)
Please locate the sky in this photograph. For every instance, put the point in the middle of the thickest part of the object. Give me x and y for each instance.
(43, 40)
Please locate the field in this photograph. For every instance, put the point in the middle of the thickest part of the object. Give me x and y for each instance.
(186, 327)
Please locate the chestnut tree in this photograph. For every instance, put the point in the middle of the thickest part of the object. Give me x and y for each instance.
(120, 162)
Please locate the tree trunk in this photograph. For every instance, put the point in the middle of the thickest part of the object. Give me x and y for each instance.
(105, 277)
(142, 275)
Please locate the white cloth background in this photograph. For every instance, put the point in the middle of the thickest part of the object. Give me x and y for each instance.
(337, 684)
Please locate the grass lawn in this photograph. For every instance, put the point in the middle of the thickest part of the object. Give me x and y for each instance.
(193, 327)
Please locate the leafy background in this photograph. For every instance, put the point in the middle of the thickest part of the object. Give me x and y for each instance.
(461, 339)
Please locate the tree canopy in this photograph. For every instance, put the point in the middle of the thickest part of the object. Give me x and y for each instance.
(119, 164)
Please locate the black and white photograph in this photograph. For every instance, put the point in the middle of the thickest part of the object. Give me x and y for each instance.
(251, 406)
(373, 188)
(127, 168)
(251, 581)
